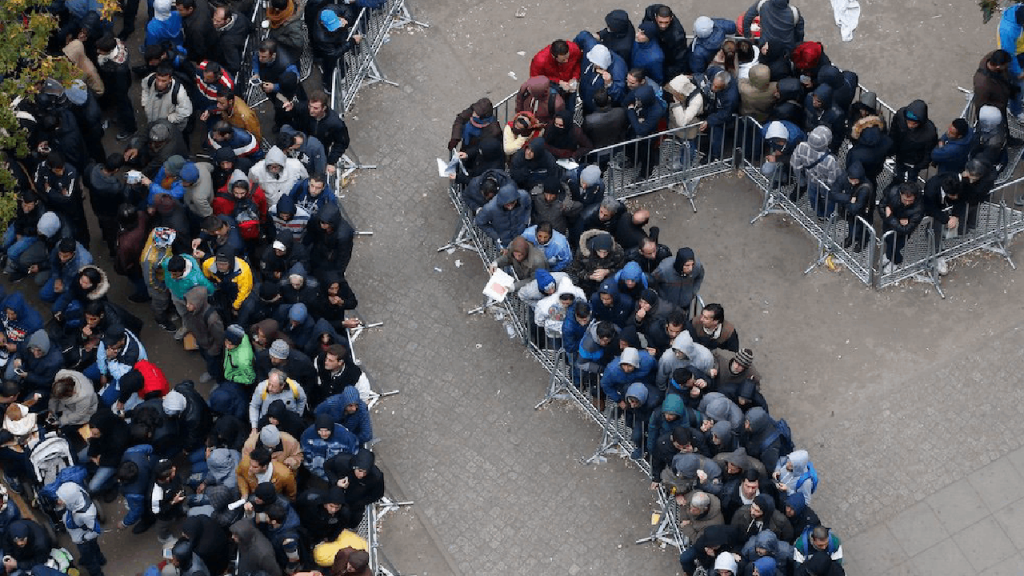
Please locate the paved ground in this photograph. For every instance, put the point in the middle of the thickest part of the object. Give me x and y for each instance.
(907, 402)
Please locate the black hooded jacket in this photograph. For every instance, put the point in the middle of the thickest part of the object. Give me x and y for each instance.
(329, 250)
(913, 147)
(673, 43)
(618, 34)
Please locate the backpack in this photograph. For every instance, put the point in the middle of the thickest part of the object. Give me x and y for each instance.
(247, 221)
(783, 434)
(811, 474)
(291, 384)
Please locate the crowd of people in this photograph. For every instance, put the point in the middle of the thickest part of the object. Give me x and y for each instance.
(621, 305)
(233, 235)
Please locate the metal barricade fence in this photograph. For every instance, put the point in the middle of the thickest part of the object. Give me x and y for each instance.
(678, 156)
(1014, 149)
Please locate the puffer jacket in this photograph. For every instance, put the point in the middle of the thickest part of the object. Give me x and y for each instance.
(82, 404)
(913, 147)
(504, 225)
(358, 422)
(757, 94)
(316, 451)
(870, 146)
(703, 50)
(277, 185)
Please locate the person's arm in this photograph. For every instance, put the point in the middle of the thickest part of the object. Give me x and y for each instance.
(255, 404)
(457, 126)
(183, 110)
(748, 19)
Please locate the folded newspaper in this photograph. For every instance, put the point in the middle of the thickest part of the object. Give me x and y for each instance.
(498, 286)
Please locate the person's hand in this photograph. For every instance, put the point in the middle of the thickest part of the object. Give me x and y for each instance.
(267, 87)
(103, 380)
(607, 77)
(95, 460)
(694, 392)
(565, 86)
(596, 37)
(764, 48)
(702, 476)
(248, 507)
(331, 169)
(121, 525)
(10, 564)
(58, 285)
(145, 181)
(953, 222)
(462, 155)
(781, 487)
(640, 314)
(453, 143)
(602, 273)
(904, 221)
(151, 210)
(703, 127)
(651, 351)
(33, 269)
(118, 406)
(351, 323)
(178, 498)
(888, 212)
(680, 499)
(17, 363)
(654, 485)
(343, 482)
(201, 488)
(700, 383)
(130, 154)
(357, 38)
(684, 523)
(492, 268)
(288, 106)
(205, 115)
(451, 176)
(706, 425)
(198, 254)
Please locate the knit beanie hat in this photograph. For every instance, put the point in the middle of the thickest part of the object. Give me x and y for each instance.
(590, 175)
(48, 225)
(745, 357)
(703, 27)
(174, 402)
(189, 173)
(820, 138)
(297, 313)
(601, 242)
(270, 436)
(234, 334)
(279, 349)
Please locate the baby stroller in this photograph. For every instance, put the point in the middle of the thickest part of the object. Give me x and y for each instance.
(51, 461)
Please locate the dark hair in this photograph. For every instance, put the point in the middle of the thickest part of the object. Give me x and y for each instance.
(951, 183)
(284, 140)
(164, 69)
(63, 388)
(999, 58)
(581, 309)
(559, 48)
(639, 74)
(92, 274)
(717, 312)
(224, 92)
(819, 532)
(95, 308)
(268, 45)
(260, 455)
(751, 475)
(601, 98)
(240, 183)
(744, 51)
(961, 126)
(277, 512)
(127, 472)
(319, 177)
(545, 227)
(664, 12)
(114, 162)
(605, 329)
(55, 159)
(106, 43)
(339, 351)
(319, 96)
(489, 186)
(909, 188)
(278, 4)
(211, 223)
(186, 3)
(176, 263)
(211, 66)
(153, 52)
(222, 128)
(676, 317)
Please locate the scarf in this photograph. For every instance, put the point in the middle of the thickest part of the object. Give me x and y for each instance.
(473, 128)
(713, 333)
(118, 55)
(279, 17)
(561, 138)
(521, 132)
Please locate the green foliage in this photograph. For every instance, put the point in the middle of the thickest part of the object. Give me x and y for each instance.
(25, 30)
(990, 8)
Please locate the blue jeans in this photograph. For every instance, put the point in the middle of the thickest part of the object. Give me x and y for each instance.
(14, 247)
(821, 199)
(103, 478)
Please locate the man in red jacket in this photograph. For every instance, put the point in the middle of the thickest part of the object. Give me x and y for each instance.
(560, 62)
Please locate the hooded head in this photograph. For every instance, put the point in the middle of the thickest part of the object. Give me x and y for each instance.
(790, 89)
(820, 138)
(686, 465)
(703, 27)
(765, 565)
(632, 272)
(799, 458)
(591, 175)
(545, 281)
(631, 357)
(73, 496)
(324, 422)
(723, 431)
(917, 111)
(776, 130)
(725, 561)
(601, 242)
(617, 22)
(197, 298)
(820, 562)
(797, 501)
(363, 460)
(246, 532)
(39, 340)
(766, 504)
(637, 391)
(684, 343)
(173, 165)
(719, 408)
(650, 29)
(673, 404)
(760, 76)
(824, 94)
(683, 255)
(537, 145)
(989, 117)
(298, 313)
(161, 9)
(276, 156)
(768, 540)
(856, 171)
(650, 296)
(507, 194)
(759, 420)
(830, 75)
(600, 56)
(270, 436)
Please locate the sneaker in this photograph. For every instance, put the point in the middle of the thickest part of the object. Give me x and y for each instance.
(941, 266)
(637, 454)
(179, 334)
(847, 242)
(888, 268)
(858, 247)
(206, 377)
(167, 325)
(142, 525)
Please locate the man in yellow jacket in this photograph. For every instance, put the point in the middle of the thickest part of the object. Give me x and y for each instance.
(233, 279)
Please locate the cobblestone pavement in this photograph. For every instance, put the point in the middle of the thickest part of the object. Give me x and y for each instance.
(907, 402)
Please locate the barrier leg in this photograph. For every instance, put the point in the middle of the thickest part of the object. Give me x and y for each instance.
(608, 445)
(461, 239)
(403, 17)
(349, 164)
(557, 387)
(663, 524)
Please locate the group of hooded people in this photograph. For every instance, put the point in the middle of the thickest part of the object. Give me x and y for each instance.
(621, 306)
(242, 256)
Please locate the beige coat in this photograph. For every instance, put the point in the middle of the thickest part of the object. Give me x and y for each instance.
(75, 51)
(291, 456)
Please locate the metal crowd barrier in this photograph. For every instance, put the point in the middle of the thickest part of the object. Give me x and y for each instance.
(1014, 152)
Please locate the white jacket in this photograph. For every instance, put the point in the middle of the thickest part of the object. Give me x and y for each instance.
(176, 109)
(550, 313)
(277, 186)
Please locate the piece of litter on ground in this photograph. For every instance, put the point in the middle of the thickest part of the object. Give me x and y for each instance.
(436, 269)
(479, 346)
(512, 75)
(521, 53)
(521, 13)
(458, 263)
(451, 250)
